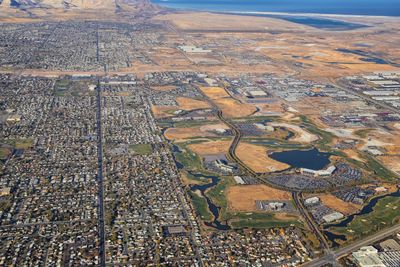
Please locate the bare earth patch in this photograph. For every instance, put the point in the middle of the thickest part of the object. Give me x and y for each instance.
(163, 111)
(214, 92)
(213, 147)
(256, 158)
(186, 103)
(243, 197)
(229, 106)
(234, 109)
(339, 205)
(164, 88)
(180, 134)
(301, 135)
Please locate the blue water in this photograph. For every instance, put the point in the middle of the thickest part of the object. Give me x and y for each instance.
(345, 7)
(310, 159)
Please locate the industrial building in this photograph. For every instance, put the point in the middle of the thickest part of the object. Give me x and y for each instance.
(367, 257)
(311, 201)
(333, 217)
(327, 172)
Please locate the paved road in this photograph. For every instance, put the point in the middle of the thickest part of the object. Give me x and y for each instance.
(352, 247)
(102, 249)
(298, 200)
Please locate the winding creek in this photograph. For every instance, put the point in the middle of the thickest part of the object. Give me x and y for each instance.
(294, 158)
(214, 209)
(344, 223)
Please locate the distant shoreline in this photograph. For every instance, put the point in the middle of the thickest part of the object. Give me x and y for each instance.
(164, 4)
(302, 14)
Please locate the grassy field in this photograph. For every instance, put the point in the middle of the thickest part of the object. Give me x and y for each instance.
(245, 220)
(200, 204)
(218, 195)
(189, 160)
(386, 213)
(197, 179)
(262, 220)
(141, 149)
(379, 169)
(4, 153)
(19, 143)
(363, 133)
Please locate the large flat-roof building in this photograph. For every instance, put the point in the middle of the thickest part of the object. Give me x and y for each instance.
(367, 257)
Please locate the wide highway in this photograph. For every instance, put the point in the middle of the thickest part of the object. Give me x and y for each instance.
(352, 247)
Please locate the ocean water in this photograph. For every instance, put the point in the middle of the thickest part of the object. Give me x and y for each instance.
(343, 7)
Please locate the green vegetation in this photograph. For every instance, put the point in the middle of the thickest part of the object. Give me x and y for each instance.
(385, 214)
(218, 195)
(189, 160)
(19, 143)
(60, 87)
(4, 153)
(63, 87)
(141, 149)
(326, 137)
(200, 204)
(23, 143)
(262, 220)
(379, 169)
(197, 179)
(363, 133)
(255, 119)
(187, 124)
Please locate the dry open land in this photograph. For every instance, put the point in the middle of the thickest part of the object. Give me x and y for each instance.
(301, 135)
(337, 204)
(212, 147)
(181, 134)
(392, 162)
(163, 88)
(256, 158)
(214, 92)
(230, 107)
(186, 103)
(316, 50)
(243, 197)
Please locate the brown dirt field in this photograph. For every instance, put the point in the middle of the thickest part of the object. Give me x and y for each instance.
(337, 204)
(205, 21)
(163, 88)
(391, 162)
(213, 127)
(214, 92)
(162, 111)
(353, 154)
(234, 109)
(180, 134)
(212, 147)
(285, 216)
(243, 197)
(186, 103)
(256, 158)
(229, 106)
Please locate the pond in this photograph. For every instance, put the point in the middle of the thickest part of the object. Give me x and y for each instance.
(310, 159)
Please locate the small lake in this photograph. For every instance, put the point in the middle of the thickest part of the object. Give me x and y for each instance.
(310, 159)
